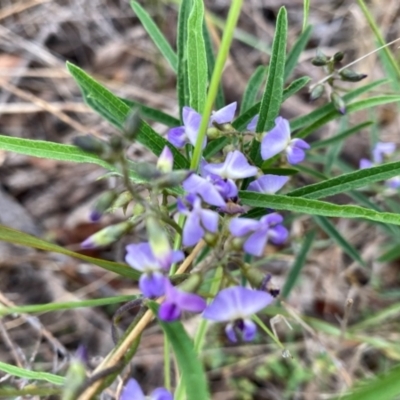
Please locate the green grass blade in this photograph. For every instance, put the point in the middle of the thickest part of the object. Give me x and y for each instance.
(349, 181)
(158, 38)
(253, 88)
(392, 254)
(196, 57)
(16, 237)
(294, 87)
(298, 265)
(340, 136)
(306, 12)
(334, 234)
(315, 207)
(31, 375)
(294, 54)
(272, 97)
(192, 371)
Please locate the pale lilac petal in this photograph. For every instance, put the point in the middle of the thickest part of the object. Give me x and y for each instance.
(271, 219)
(253, 124)
(242, 226)
(195, 184)
(256, 242)
(224, 115)
(295, 151)
(152, 285)
(382, 149)
(190, 302)
(177, 255)
(365, 163)
(249, 330)
(235, 166)
(140, 257)
(169, 311)
(165, 160)
(177, 136)
(209, 220)
(192, 230)
(278, 234)
(269, 184)
(393, 183)
(276, 140)
(161, 394)
(230, 332)
(132, 391)
(192, 121)
(251, 301)
(300, 143)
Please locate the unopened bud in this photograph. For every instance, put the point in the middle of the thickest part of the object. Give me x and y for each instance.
(320, 59)
(165, 161)
(172, 179)
(192, 284)
(211, 238)
(237, 243)
(338, 103)
(147, 171)
(91, 144)
(337, 57)
(107, 235)
(74, 379)
(213, 133)
(122, 200)
(254, 276)
(104, 202)
(132, 124)
(138, 209)
(351, 76)
(159, 241)
(317, 92)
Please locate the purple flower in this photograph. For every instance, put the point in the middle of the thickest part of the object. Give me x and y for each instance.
(225, 115)
(253, 124)
(257, 233)
(268, 184)
(393, 183)
(236, 305)
(141, 257)
(198, 220)
(132, 391)
(278, 140)
(235, 166)
(177, 301)
(365, 163)
(381, 150)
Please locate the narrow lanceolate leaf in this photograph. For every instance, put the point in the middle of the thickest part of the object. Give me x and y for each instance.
(319, 113)
(114, 110)
(31, 375)
(158, 38)
(182, 87)
(16, 237)
(353, 107)
(190, 366)
(298, 265)
(294, 87)
(349, 181)
(340, 136)
(272, 97)
(315, 207)
(215, 146)
(294, 54)
(196, 57)
(334, 234)
(253, 88)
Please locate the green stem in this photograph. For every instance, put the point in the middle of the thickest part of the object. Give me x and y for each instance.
(267, 331)
(223, 52)
(167, 364)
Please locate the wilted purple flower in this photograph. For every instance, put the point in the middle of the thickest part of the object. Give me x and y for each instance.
(237, 304)
(132, 391)
(268, 184)
(257, 233)
(278, 139)
(141, 257)
(180, 135)
(382, 149)
(235, 166)
(198, 220)
(177, 301)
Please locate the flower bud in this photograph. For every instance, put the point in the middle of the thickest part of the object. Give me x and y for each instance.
(138, 209)
(75, 377)
(107, 235)
(172, 179)
(192, 284)
(159, 241)
(237, 243)
(351, 76)
(337, 57)
(104, 202)
(147, 171)
(132, 124)
(91, 144)
(254, 276)
(210, 238)
(338, 103)
(317, 92)
(122, 200)
(320, 59)
(165, 161)
(213, 133)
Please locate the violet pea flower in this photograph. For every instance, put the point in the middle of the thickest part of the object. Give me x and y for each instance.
(132, 391)
(381, 150)
(235, 305)
(268, 184)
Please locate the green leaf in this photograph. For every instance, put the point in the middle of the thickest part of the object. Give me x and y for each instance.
(319, 113)
(152, 113)
(306, 11)
(392, 254)
(16, 237)
(340, 136)
(315, 207)
(350, 108)
(196, 57)
(349, 181)
(215, 146)
(294, 54)
(182, 87)
(294, 87)
(272, 97)
(114, 110)
(333, 233)
(155, 33)
(31, 375)
(298, 265)
(253, 88)
(191, 368)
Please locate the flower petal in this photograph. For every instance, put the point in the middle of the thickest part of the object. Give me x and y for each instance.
(230, 332)
(192, 230)
(152, 284)
(295, 151)
(177, 136)
(249, 330)
(192, 121)
(256, 242)
(224, 115)
(160, 394)
(209, 220)
(382, 149)
(269, 184)
(365, 163)
(242, 226)
(278, 234)
(253, 124)
(195, 184)
(235, 166)
(141, 257)
(190, 302)
(276, 140)
(169, 311)
(132, 391)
